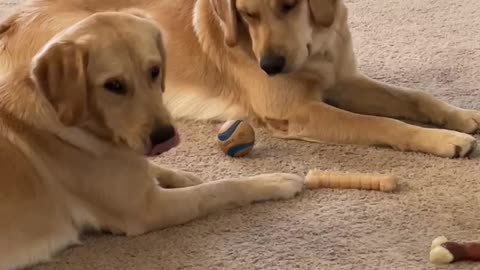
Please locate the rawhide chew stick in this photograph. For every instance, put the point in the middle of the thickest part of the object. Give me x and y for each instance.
(443, 251)
(322, 179)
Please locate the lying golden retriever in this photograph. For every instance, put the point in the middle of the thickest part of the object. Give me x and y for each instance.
(288, 64)
(74, 127)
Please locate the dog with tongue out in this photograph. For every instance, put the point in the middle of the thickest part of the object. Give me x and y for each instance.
(75, 123)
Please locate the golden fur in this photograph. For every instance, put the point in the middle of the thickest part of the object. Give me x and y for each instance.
(216, 51)
(72, 144)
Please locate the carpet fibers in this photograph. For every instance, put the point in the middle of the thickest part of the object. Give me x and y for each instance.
(428, 44)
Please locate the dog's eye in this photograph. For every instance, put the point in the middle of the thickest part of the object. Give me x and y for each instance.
(252, 16)
(155, 72)
(287, 7)
(116, 87)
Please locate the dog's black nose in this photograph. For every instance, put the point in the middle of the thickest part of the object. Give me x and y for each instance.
(162, 134)
(273, 64)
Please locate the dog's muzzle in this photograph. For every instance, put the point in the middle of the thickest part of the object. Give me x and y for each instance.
(162, 139)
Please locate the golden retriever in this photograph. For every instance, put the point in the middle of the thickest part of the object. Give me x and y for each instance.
(285, 64)
(75, 124)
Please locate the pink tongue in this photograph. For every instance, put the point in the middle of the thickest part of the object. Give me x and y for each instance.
(165, 146)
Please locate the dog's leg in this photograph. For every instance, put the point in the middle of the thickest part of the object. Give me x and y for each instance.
(367, 96)
(167, 207)
(318, 121)
(169, 178)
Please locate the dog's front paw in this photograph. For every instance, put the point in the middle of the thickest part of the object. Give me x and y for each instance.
(186, 179)
(276, 186)
(466, 121)
(170, 178)
(446, 143)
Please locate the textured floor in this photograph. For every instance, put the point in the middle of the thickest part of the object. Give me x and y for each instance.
(430, 44)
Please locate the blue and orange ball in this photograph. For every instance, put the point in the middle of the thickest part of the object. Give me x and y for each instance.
(236, 138)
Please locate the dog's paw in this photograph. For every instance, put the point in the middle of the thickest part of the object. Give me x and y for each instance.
(187, 179)
(446, 143)
(466, 121)
(276, 186)
(170, 178)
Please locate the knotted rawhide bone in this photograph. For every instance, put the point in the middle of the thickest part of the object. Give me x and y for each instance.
(443, 251)
(342, 180)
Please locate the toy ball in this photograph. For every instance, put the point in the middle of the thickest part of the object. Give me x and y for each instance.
(236, 138)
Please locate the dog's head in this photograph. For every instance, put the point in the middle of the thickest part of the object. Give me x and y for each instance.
(106, 75)
(280, 31)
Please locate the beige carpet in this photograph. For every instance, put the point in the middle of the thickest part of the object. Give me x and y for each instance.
(432, 44)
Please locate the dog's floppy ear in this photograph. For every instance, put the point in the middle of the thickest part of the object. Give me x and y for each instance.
(226, 11)
(323, 11)
(60, 73)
